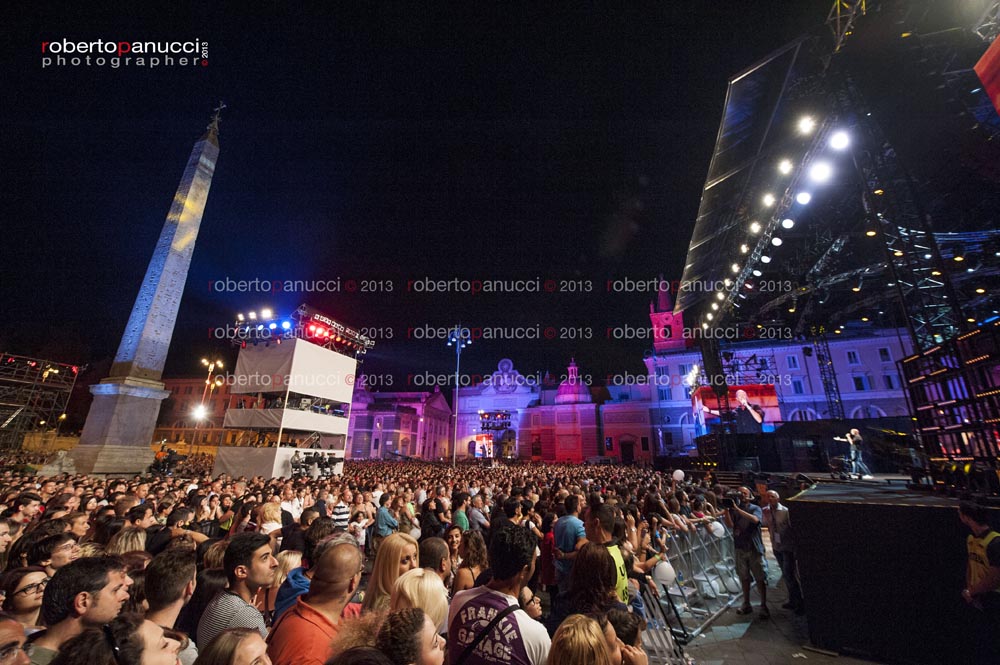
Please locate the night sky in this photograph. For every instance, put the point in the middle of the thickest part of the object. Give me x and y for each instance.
(376, 142)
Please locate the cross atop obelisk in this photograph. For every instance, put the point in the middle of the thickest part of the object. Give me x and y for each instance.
(119, 427)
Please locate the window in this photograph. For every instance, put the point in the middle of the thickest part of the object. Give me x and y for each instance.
(793, 361)
(683, 369)
(862, 383)
(852, 358)
(884, 355)
(665, 394)
(891, 381)
(797, 387)
(645, 443)
(187, 390)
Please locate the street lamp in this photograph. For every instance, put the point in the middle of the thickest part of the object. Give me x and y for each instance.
(460, 338)
(201, 411)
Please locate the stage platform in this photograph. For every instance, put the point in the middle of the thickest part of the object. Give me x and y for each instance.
(882, 570)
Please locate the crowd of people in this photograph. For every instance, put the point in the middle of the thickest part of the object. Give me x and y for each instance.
(402, 563)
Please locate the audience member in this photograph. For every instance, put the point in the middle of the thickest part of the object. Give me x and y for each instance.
(249, 566)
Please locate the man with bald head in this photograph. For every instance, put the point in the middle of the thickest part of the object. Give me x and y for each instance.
(302, 635)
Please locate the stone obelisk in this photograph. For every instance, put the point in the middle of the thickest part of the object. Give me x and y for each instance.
(119, 429)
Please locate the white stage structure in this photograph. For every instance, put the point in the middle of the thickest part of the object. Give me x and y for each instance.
(297, 390)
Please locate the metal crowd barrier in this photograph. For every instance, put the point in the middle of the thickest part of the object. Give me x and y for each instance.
(705, 583)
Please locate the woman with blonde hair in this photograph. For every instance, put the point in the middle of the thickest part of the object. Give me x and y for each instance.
(270, 518)
(129, 539)
(397, 554)
(421, 588)
(287, 560)
(579, 640)
(235, 645)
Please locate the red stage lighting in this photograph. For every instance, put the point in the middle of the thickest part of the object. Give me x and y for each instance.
(312, 329)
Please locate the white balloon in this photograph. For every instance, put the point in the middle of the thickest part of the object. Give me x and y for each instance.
(664, 574)
(678, 475)
(717, 529)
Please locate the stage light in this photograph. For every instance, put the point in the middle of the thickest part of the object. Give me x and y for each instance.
(768, 200)
(757, 273)
(785, 166)
(272, 325)
(715, 307)
(879, 192)
(735, 267)
(980, 290)
(803, 197)
(744, 249)
(839, 140)
(971, 320)
(820, 172)
(856, 287)
(260, 326)
(959, 258)
(791, 310)
(927, 256)
(765, 259)
(252, 316)
(709, 316)
(704, 326)
(936, 273)
(806, 124)
(836, 332)
(286, 325)
(776, 241)
(312, 329)
(787, 223)
(755, 227)
(265, 313)
(748, 286)
(720, 295)
(200, 412)
(240, 317)
(871, 233)
(865, 319)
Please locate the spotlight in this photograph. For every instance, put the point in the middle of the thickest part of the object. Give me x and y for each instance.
(728, 282)
(897, 253)
(765, 259)
(879, 192)
(871, 233)
(285, 325)
(710, 316)
(200, 412)
(240, 317)
(980, 290)
(272, 325)
(715, 307)
(755, 227)
(720, 295)
(260, 326)
(936, 273)
(857, 287)
(806, 124)
(776, 241)
(785, 166)
(252, 316)
(265, 313)
(803, 197)
(959, 258)
(757, 273)
(787, 223)
(820, 172)
(768, 200)
(865, 319)
(744, 249)
(839, 140)
(735, 267)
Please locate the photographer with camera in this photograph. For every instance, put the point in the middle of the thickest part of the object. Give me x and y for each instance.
(745, 518)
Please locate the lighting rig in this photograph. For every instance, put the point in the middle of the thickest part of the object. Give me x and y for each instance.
(264, 327)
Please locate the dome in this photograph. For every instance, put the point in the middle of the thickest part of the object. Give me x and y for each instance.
(573, 390)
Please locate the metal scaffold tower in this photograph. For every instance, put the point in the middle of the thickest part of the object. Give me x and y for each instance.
(827, 374)
(33, 397)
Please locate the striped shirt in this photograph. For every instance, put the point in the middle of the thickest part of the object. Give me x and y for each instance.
(228, 610)
(341, 515)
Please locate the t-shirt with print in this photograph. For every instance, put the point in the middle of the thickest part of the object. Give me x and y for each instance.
(516, 640)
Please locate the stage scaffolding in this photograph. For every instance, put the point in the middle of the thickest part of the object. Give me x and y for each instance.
(33, 397)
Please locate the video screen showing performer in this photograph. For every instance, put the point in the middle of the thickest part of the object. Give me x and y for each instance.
(747, 418)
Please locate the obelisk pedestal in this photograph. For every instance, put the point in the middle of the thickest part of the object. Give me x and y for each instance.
(116, 438)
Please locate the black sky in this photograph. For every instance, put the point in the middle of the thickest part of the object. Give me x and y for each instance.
(370, 141)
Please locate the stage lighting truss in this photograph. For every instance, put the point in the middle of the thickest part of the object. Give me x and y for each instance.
(306, 323)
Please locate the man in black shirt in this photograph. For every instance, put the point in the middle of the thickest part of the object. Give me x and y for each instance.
(747, 418)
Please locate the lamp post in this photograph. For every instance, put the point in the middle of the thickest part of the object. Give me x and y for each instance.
(460, 338)
(201, 412)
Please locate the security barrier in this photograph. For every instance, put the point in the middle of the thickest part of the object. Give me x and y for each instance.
(703, 584)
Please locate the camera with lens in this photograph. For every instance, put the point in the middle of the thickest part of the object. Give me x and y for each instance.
(732, 499)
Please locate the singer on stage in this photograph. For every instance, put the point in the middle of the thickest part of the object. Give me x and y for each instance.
(748, 418)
